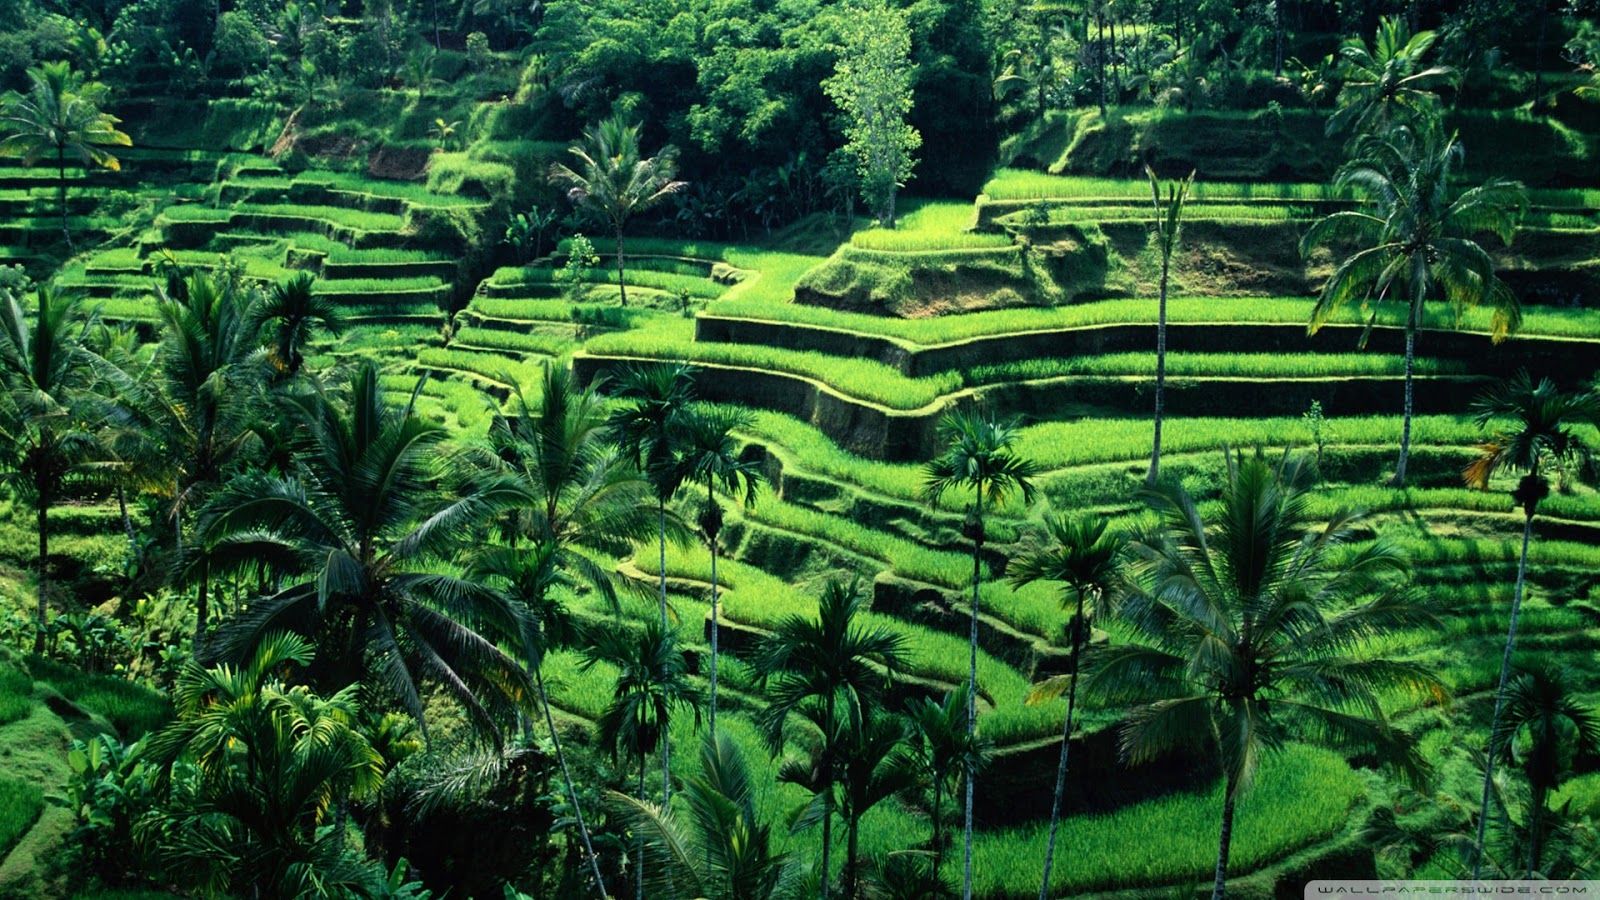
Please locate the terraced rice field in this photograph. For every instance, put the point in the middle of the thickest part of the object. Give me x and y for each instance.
(843, 404)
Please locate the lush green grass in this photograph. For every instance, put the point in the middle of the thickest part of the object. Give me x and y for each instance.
(131, 708)
(1537, 320)
(506, 280)
(1302, 795)
(884, 385)
(355, 219)
(20, 804)
(16, 693)
(930, 225)
(514, 341)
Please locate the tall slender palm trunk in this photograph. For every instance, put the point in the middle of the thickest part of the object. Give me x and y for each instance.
(202, 609)
(666, 736)
(712, 540)
(1219, 888)
(572, 792)
(622, 283)
(1066, 750)
(1399, 479)
(1500, 695)
(127, 526)
(972, 700)
(61, 192)
(44, 573)
(827, 799)
(638, 885)
(1161, 373)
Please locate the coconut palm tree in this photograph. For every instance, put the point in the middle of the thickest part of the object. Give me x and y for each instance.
(943, 751)
(1077, 552)
(270, 763)
(1245, 635)
(289, 314)
(652, 682)
(1543, 431)
(1387, 83)
(873, 767)
(825, 660)
(614, 180)
(1417, 239)
(979, 457)
(729, 854)
(60, 116)
(47, 374)
(574, 489)
(1168, 219)
(649, 426)
(198, 403)
(359, 533)
(530, 579)
(1543, 728)
(709, 456)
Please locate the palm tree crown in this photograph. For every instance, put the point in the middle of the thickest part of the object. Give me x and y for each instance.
(1387, 83)
(290, 312)
(1543, 431)
(361, 533)
(614, 180)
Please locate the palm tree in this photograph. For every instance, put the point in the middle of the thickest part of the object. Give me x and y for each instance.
(730, 853)
(271, 763)
(59, 116)
(529, 579)
(649, 427)
(824, 660)
(1387, 84)
(47, 373)
(979, 457)
(1418, 239)
(614, 180)
(197, 402)
(1544, 421)
(359, 533)
(1243, 635)
(652, 681)
(873, 767)
(1077, 552)
(576, 493)
(943, 750)
(290, 313)
(1544, 715)
(709, 456)
(1169, 215)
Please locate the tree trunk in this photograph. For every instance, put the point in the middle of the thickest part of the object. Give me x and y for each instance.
(972, 700)
(1220, 888)
(938, 824)
(566, 776)
(1399, 479)
(1100, 54)
(622, 285)
(1161, 369)
(127, 527)
(666, 736)
(1116, 72)
(827, 795)
(1177, 24)
(638, 887)
(1066, 748)
(888, 215)
(1277, 38)
(1535, 826)
(202, 609)
(44, 572)
(61, 193)
(1500, 694)
(852, 847)
(712, 540)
